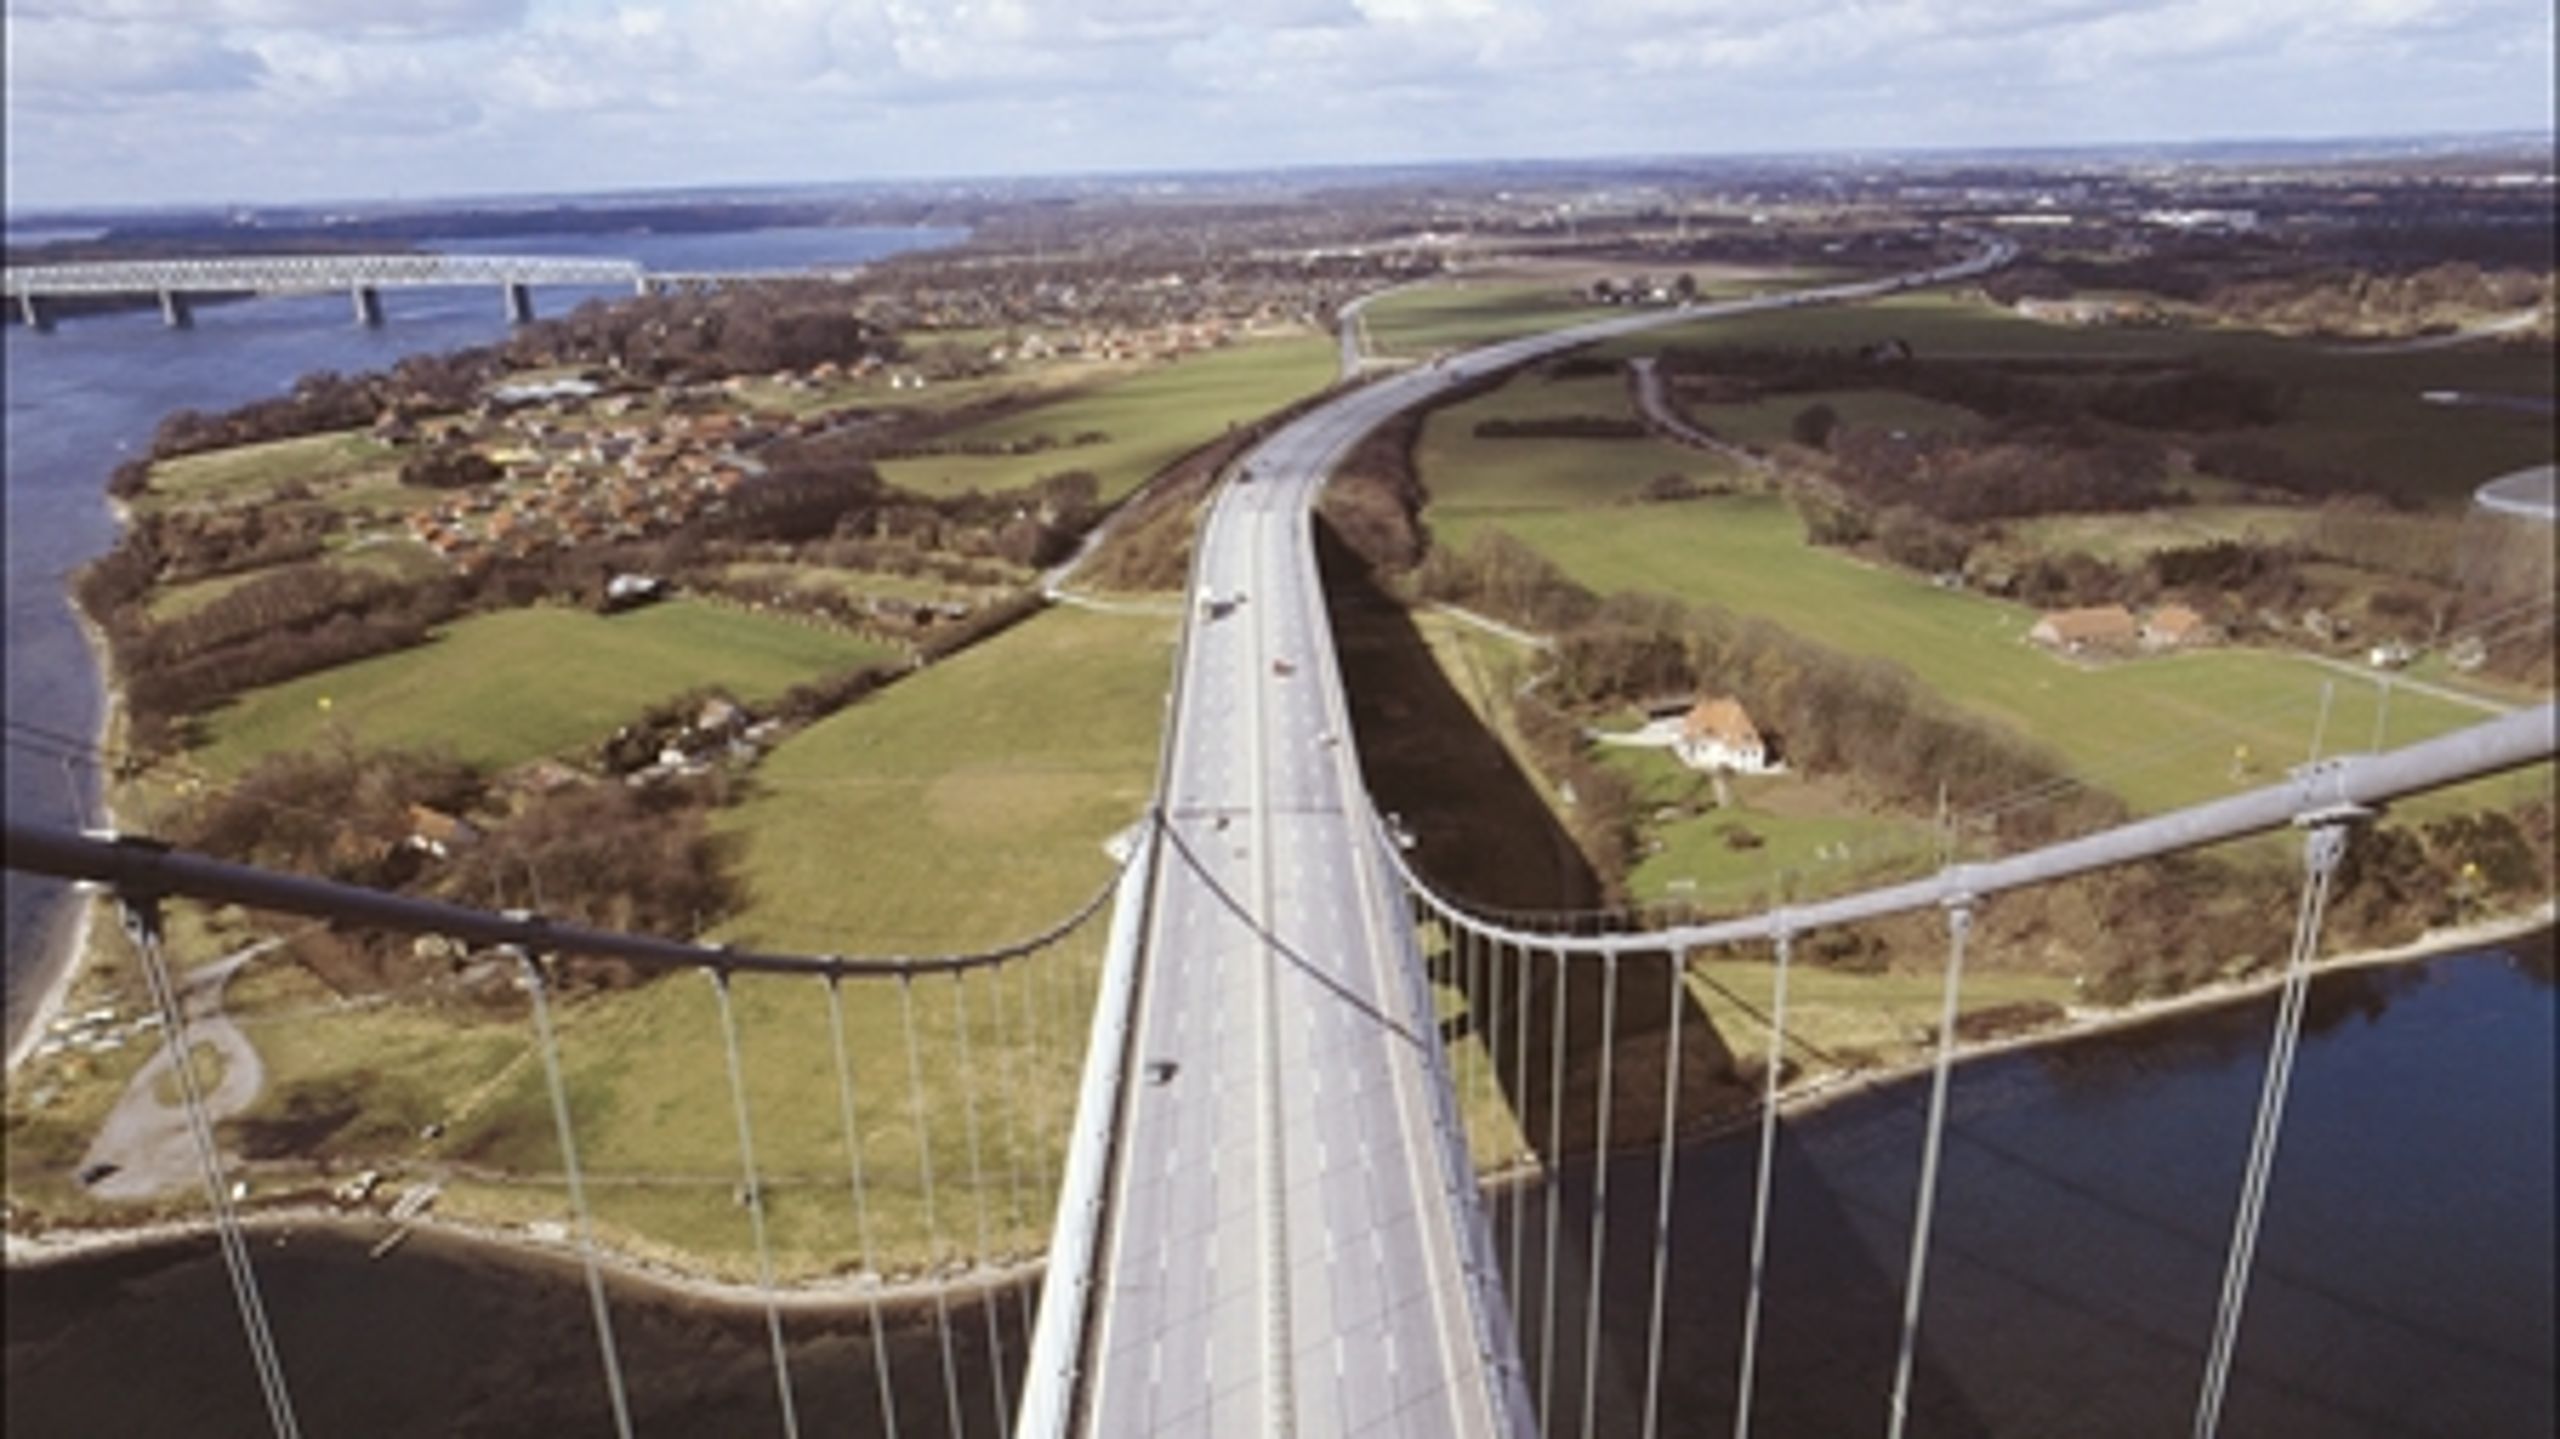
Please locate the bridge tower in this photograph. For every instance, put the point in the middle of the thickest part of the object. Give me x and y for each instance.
(368, 307)
(175, 312)
(519, 303)
(32, 310)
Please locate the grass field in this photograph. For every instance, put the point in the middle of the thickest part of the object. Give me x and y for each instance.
(1812, 835)
(502, 688)
(1516, 471)
(1457, 313)
(2360, 412)
(222, 474)
(1150, 418)
(966, 805)
(2159, 732)
(1865, 1019)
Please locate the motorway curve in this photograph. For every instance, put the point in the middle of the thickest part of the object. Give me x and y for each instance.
(1292, 1243)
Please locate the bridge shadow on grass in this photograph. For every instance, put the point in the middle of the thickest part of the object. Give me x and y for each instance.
(1484, 835)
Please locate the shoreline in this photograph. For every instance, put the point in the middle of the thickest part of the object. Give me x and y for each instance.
(63, 968)
(669, 1283)
(518, 1246)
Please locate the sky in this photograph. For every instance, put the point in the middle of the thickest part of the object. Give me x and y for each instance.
(128, 102)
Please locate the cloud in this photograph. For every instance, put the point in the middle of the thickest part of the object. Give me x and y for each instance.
(705, 90)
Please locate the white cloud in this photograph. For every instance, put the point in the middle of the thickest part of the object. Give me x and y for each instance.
(570, 89)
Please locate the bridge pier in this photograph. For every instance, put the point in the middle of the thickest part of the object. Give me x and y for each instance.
(32, 310)
(519, 303)
(368, 306)
(643, 286)
(175, 312)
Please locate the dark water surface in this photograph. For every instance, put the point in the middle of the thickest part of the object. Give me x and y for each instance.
(89, 395)
(2404, 1285)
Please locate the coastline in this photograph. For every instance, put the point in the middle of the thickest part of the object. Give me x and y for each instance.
(62, 968)
(515, 1245)
(668, 1283)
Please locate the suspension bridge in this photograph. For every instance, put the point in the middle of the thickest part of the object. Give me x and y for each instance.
(1268, 1220)
(178, 282)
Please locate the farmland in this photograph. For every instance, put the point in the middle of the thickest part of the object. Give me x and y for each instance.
(502, 688)
(1143, 422)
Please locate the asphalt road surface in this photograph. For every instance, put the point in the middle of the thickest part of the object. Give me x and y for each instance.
(1292, 1243)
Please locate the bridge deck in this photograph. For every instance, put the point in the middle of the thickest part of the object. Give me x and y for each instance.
(1292, 1244)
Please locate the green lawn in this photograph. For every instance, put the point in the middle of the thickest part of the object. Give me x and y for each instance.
(501, 688)
(965, 805)
(1813, 837)
(1150, 419)
(2159, 732)
(1486, 473)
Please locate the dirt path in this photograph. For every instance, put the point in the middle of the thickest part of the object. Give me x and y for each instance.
(145, 1138)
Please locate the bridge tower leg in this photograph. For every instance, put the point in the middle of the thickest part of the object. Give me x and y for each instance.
(519, 304)
(175, 312)
(368, 306)
(32, 310)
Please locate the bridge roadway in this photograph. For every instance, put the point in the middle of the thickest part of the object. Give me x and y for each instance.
(1292, 1243)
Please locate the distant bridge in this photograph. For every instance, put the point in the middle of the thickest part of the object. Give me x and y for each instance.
(364, 277)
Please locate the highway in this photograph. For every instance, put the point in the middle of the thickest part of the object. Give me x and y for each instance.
(1291, 1242)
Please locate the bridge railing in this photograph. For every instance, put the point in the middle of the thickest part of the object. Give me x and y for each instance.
(279, 274)
(958, 1059)
(1494, 964)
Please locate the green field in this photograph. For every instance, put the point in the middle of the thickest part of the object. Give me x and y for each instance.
(1515, 471)
(2360, 412)
(965, 805)
(2159, 732)
(1453, 314)
(1866, 1019)
(1150, 419)
(222, 474)
(502, 688)
(1813, 836)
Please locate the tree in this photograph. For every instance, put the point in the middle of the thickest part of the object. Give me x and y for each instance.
(1813, 425)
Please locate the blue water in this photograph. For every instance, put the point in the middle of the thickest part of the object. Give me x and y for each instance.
(89, 394)
(2404, 1283)
(2405, 1276)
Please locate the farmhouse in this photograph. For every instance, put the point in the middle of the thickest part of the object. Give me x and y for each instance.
(2098, 627)
(1718, 734)
(2173, 626)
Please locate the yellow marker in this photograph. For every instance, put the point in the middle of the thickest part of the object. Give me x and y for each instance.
(324, 702)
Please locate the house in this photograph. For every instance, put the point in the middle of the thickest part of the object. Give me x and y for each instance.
(2103, 627)
(1717, 733)
(434, 832)
(2173, 626)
